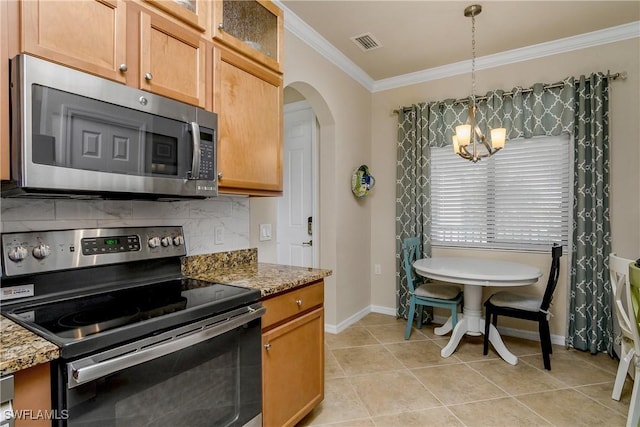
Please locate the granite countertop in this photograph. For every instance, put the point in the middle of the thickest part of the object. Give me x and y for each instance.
(242, 269)
(22, 349)
(269, 279)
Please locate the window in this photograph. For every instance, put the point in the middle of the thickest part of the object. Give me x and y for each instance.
(516, 199)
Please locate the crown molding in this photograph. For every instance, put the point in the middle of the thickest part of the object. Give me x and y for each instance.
(568, 44)
(304, 32)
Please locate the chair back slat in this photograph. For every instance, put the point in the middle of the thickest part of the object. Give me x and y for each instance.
(410, 252)
(554, 274)
(623, 296)
(633, 306)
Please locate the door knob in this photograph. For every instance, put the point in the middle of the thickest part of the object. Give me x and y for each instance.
(309, 243)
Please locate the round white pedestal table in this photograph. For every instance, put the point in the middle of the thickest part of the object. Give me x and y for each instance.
(474, 273)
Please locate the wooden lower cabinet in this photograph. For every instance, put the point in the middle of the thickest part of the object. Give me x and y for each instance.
(292, 365)
(32, 396)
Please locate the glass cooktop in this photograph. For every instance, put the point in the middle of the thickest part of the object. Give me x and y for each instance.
(115, 316)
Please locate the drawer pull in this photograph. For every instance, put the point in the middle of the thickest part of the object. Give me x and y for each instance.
(299, 302)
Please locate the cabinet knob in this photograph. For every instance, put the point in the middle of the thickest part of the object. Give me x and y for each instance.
(123, 68)
(299, 302)
(220, 175)
(267, 347)
(221, 26)
(148, 76)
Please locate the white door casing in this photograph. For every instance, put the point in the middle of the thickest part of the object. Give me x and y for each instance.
(295, 246)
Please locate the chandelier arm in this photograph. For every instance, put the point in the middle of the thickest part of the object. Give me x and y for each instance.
(484, 142)
(464, 153)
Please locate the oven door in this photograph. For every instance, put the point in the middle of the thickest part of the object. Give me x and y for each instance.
(204, 374)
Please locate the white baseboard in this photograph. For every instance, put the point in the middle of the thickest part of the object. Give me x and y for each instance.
(391, 311)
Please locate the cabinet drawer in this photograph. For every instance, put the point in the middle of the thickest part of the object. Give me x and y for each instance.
(291, 303)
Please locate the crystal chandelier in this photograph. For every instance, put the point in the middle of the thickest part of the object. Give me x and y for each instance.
(469, 142)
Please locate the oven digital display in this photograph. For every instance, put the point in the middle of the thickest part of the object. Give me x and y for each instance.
(110, 245)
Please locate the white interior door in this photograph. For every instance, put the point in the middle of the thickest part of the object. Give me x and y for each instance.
(295, 208)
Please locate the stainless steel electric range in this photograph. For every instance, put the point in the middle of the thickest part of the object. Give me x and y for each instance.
(140, 344)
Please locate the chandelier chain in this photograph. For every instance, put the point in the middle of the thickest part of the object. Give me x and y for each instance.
(473, 58)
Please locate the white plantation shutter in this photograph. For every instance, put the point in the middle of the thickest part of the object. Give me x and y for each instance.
(516, 199)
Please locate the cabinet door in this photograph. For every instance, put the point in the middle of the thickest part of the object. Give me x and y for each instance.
(193, 12)
(248, 100)
(172, 60)
(293, 369)
(87, 35)
(32, 394)
(254, 28)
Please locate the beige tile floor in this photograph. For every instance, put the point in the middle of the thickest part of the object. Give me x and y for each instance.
(373, 377)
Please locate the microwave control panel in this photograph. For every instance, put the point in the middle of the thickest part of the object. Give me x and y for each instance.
(207, 159)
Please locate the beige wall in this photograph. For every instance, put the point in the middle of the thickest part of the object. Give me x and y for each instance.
(358, 127)
(343, 109)
(625, 157)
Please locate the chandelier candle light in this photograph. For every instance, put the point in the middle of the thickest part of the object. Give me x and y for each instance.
(465, 142)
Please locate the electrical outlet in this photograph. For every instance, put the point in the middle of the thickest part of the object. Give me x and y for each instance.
(377, 269)
(218, 238)
(265, 232)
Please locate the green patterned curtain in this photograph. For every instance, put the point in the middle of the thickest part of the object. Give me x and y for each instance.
(525, 113)
(590, 323)
(412, 192)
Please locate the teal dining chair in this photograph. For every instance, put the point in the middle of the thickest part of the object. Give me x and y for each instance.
(423, 293)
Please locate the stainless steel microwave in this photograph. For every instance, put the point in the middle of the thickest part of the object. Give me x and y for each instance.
(78, 135)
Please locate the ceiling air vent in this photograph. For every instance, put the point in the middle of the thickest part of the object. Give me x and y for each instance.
(366, 42)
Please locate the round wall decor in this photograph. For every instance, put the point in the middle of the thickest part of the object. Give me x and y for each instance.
(362, 181)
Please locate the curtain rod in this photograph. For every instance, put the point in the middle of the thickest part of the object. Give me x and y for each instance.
(609, 76)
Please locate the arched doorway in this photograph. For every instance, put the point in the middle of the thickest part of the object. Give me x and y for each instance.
(324, 220)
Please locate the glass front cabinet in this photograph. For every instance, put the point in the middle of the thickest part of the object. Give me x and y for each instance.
(254, 28)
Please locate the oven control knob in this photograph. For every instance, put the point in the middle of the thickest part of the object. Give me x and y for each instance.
(178, 240)
(154, 242)
(17, 253)
(166, 241)
(41, 251)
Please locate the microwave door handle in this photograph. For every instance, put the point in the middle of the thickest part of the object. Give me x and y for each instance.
(195, 140)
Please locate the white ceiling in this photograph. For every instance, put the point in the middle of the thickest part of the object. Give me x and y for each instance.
(426, 36)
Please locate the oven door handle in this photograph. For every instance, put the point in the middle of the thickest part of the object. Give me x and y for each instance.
(89, 369)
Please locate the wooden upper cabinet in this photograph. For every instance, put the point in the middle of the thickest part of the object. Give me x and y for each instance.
(254, 28)
(88, 35)
(172, 59)
(192, 12)
(248, 100)
(5, 55)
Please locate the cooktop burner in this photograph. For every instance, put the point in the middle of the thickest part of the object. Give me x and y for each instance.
(87, 322)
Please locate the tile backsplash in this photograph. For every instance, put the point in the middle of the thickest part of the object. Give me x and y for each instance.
(199, 218)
